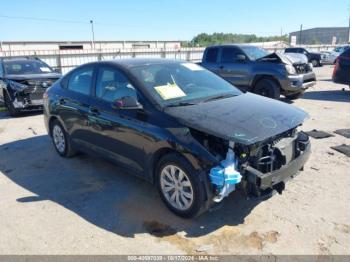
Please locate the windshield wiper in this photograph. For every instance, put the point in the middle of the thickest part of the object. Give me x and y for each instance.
(181, 104)
(218, 97)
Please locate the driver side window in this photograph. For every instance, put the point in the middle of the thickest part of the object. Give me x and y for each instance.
(112, 85)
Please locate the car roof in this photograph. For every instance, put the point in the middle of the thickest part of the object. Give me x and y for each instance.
(19, 59)
(232, 45)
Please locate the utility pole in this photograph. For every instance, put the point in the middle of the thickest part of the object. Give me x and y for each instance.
(93, 35)
(301, 29)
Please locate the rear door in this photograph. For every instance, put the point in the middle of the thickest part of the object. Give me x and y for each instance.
(233, 69)
(73, 103)
(211, 57)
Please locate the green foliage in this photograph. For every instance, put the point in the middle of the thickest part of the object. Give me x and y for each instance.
(204, 39)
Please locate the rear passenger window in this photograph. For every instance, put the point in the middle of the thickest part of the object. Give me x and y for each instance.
(80, 80)
(212, 55)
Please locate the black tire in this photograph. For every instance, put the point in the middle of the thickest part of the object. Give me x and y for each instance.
(315, 62)
(67, 151)
(295, 96)
(10, 107)
(197, 206)
(267, 87)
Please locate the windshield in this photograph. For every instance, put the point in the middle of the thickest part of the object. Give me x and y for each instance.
(23, 67)
(253, 52)
(180, 83)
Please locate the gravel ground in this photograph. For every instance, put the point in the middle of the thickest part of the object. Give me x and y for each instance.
(82, 205)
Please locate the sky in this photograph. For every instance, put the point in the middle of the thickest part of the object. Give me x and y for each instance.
(68, 20)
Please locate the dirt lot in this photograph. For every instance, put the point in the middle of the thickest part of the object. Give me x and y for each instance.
(51, 205)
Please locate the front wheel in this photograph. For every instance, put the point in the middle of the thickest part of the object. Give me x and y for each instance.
(10, 107)
(267, 87)
(179, 186)
(315, 63)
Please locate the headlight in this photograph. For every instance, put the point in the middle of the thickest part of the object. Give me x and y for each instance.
(291, 70)
(17, 86)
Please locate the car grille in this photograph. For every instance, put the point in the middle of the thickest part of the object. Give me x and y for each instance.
(303, 68)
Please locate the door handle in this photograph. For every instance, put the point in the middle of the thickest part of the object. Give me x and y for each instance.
(94, 111)
(61, 101)
(221, 67)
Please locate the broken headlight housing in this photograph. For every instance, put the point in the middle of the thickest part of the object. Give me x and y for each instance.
(17, 86)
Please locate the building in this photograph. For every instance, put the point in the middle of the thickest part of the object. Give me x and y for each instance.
(320, 35)
(86, 45)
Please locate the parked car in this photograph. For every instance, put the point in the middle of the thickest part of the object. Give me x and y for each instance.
(314, 58)
(338, 50)
(327, 58)
(178, 126)
(23, 82)
(253, 69)
(341, 72)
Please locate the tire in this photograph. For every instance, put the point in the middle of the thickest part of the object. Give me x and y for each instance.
(295, 96)
(61, 140)
(267, 87)
(10, 107)
(190, 191)
(315, 63)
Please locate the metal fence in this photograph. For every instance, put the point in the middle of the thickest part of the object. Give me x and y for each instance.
(65, 60)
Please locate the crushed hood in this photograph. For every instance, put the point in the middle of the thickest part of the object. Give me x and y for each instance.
(288, 59)
(246, 119)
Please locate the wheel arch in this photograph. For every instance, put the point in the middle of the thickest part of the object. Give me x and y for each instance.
(160, 153)
(260, 77)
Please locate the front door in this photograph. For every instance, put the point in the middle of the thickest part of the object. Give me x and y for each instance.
(117, 134)
(233, 68)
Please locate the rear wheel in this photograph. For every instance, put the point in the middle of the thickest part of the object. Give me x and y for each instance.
(179, 186)
(10, 107)
(61, 140)
(267, 87)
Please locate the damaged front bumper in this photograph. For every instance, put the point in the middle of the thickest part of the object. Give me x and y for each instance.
(298, 83)
(28, 99)
(259, 184)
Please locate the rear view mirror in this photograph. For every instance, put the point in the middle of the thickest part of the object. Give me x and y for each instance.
(127, 102)
(241, 57)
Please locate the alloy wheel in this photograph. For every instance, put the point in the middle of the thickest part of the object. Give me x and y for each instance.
(176, 187)
(59, 139)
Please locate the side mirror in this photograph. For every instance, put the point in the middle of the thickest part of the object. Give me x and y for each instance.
(127, 102)
(241, 57)
(57, 70)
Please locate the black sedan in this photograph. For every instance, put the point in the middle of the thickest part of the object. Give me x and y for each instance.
(178, 126)
(23, 82)
(341, 73)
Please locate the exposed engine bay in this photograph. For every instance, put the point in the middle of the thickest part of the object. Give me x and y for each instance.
(260, 164)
